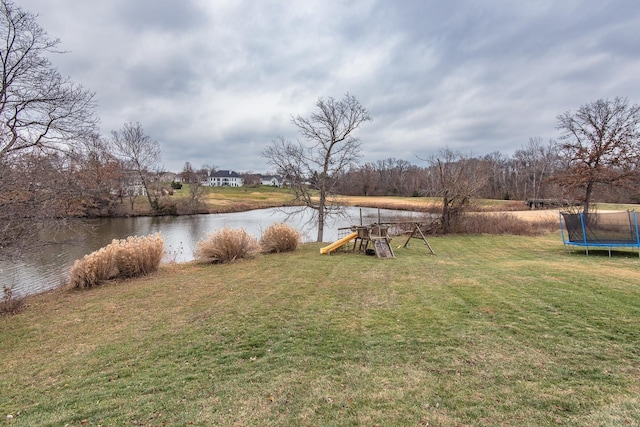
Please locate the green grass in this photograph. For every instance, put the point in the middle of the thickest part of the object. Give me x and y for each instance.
(493, 330)
(233, 199)
(215, 199)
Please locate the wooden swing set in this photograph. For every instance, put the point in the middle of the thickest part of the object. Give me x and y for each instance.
(377, 235)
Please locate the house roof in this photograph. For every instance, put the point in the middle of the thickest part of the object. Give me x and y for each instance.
(270, 177)
(225, 174)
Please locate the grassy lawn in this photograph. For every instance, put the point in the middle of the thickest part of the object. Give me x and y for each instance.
(233, 199)
(493, 330)
(221, 199)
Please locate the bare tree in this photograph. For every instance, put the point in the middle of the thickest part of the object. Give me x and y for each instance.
(314, 166)
(42, 114)
(458, 179)
(250, 179)
(40, 192)
(600, 144)
(140, 153)
(188, 175)
(537, 161)
(38, 107)
(495, 165)
(100, 176)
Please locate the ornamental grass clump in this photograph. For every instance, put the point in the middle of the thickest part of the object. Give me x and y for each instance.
(226, 245)
(279, 238)
(131, 257)
(139, 256)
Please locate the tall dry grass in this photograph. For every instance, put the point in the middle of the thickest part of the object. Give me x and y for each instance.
(131, 257)
(505, 223)
(139, 256)
(279, 238)
(226, 245)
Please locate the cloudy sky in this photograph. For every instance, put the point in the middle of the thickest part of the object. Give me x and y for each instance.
(214, 81)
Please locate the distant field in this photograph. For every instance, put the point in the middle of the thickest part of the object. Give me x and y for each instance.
(492, 330)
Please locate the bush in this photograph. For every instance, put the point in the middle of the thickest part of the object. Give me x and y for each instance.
(279, 238)
(226, 245)
(131, 257)
(9, 303)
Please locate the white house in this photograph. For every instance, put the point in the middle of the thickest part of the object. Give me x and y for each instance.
(224, 178)
(271, 180)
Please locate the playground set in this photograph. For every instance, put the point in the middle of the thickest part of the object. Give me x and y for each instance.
(586, 230)
(376, 235)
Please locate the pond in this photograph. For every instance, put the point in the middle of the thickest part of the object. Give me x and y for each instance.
(180, 235)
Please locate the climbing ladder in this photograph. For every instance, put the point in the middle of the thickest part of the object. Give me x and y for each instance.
(376, 235)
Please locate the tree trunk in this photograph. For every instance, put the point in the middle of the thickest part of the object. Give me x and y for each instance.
(321, 213)
(146, 190)
(587, 197)
(446, 216)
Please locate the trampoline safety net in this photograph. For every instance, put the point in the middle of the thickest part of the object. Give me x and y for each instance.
(601, 229)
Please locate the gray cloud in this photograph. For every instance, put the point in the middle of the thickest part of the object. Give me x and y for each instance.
(214, 82)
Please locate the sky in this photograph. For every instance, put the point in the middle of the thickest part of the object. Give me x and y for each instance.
(215, 81)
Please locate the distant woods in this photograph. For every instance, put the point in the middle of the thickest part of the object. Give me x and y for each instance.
(538, 170)
(494, 176)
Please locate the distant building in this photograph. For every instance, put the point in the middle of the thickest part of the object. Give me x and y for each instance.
(133, 185)
(168, 177)
(272, 180)
(224, 178)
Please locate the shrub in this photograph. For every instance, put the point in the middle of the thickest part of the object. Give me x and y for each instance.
(131, 257)
(9, 303)
(226, 245)
(279, 238)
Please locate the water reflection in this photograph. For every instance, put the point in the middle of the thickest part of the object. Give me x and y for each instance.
(180, 237)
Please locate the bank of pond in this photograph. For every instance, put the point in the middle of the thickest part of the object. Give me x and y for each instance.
(49, 269)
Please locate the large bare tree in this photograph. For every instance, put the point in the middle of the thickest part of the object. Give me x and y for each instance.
(42, 116)
(600, 144)
(38, 107)
(140, 153)
(458, 178)
(314, 165)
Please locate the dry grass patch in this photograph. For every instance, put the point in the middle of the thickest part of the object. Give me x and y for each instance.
(280, 238)
(418, 204)
(506, 223)
(131, 257)
(226, 245)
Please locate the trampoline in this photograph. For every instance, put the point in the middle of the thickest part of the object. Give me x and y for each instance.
(600, 230)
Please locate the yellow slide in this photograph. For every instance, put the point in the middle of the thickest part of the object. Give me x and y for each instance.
(335, 245)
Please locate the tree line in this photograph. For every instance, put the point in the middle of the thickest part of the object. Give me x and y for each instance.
(535, 171)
